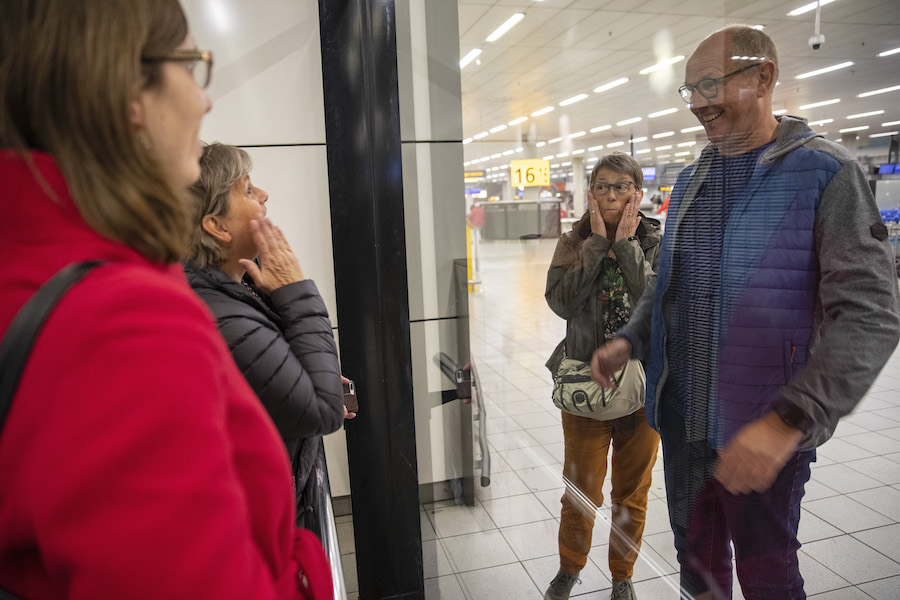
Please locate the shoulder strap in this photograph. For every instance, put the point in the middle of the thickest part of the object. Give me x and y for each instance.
(25, 326)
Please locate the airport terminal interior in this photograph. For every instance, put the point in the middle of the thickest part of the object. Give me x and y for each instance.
(456, 455)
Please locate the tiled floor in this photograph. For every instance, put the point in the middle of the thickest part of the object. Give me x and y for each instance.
(505, 546)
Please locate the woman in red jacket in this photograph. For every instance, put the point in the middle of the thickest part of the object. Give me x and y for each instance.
(135, 462)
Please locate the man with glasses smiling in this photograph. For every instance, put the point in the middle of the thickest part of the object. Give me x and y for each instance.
(774, 309)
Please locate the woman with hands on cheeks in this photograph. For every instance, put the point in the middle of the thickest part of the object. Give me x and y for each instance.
(598, 272)
(273, 319)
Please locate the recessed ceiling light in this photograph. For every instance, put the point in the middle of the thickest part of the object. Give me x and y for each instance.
(465, 60)
(566, 164)
(876, 92)
(890, 123)
(758, 28)
(520, 149)
(642, 151)
(543, 111)
(883, 134)
(888, 53)
(497, 129)
(683, 153)
(866, 114)
(508, 152)
(822, 103)
(821, 122)
(507, 25)
(601, 128)
(467, 140)
(478, 136)
(661, 64)
(610, 85)
(656, 136)
(595, 148)
(541, 144)
(780, 111)
(638, 140)
(685, 144)
(573, 99)
(658, 148)
(577, 134)
(548, 157)
(517, 121)
(562, 155)
(496, 155)
(554, 140)
(690, 129)
(808, 7)
(849, 129)
(825, 70)
(615, 144)
(628, 121)
(660, 113)
(578, 151)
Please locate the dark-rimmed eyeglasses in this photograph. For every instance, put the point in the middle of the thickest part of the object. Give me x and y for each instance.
(621, 188)
(200, 63)
(708, 87)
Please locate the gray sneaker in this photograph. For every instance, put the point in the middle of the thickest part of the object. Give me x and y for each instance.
(561, 586)
(622, 590)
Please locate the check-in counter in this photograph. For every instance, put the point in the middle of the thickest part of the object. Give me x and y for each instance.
(510, 220)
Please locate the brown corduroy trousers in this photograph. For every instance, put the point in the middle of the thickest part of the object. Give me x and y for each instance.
(587, 444)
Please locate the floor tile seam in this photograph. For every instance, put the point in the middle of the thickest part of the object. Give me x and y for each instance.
(864, 543)
(821, 564)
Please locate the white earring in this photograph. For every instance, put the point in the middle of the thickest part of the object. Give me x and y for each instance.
(144, 139)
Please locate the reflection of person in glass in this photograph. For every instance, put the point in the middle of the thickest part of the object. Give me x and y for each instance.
(774, 310)
(274, 321)
(135, 462)
(598, 272)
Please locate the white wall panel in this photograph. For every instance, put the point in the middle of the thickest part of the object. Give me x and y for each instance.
(267, 80)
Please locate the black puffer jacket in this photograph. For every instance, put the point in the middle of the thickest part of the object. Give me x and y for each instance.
(284, 346)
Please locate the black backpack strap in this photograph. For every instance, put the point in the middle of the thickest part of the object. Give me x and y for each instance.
(25, 326)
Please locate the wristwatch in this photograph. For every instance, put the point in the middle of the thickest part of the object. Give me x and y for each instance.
(793, 416)
(634, 238)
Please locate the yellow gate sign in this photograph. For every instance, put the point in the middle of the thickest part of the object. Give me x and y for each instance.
(529, 172)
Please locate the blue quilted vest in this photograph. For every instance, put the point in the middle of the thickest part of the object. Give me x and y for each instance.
(769, 287)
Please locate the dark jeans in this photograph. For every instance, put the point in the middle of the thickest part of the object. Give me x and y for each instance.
(762, 527)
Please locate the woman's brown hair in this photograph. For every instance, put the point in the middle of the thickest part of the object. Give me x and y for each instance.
(69, 72)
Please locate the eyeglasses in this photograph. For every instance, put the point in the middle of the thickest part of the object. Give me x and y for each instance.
(622, 188)
(708, 86)
(200, 63)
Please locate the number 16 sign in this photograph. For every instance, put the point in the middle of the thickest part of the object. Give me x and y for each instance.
(529, 172)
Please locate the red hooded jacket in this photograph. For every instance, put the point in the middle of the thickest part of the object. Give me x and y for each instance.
(135, 461)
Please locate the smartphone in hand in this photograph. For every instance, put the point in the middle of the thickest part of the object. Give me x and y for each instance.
(350, 400)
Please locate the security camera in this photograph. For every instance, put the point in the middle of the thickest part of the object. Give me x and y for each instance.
(816, 41)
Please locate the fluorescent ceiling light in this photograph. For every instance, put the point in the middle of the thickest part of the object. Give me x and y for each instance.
(658, 148)
(601, 128)
(682, 153)
(577, 134)
(467, 163)
(578, 151)
(554, 140)
(509, 24)
(876, 92)
(890, 123)
(541, 144)
(758, 28)
(595, 148)
(520, 149)
(808, 7)
(496, 155)
(866, 114)
(842, 65)
(883, 134)
(478, 136)
(822, 103)
(686, 144)
(467, 140)
(497, 129)
(822, 122)
(553, 166)
(780, 111)
(543, 111)
(888, 53)
(610, 85)
(643, 151)
(517, 121)
(548, 157)
(849, 129)
(562, 155)
(690, 129)
(573, 99)
(638, 140)
(615, 144)
(508, 152)
(566, 164)
(661, 64)
(656, 136)
(628, 121)
(475, 161)
(472, 55)
(660, 113)
(485, 158)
